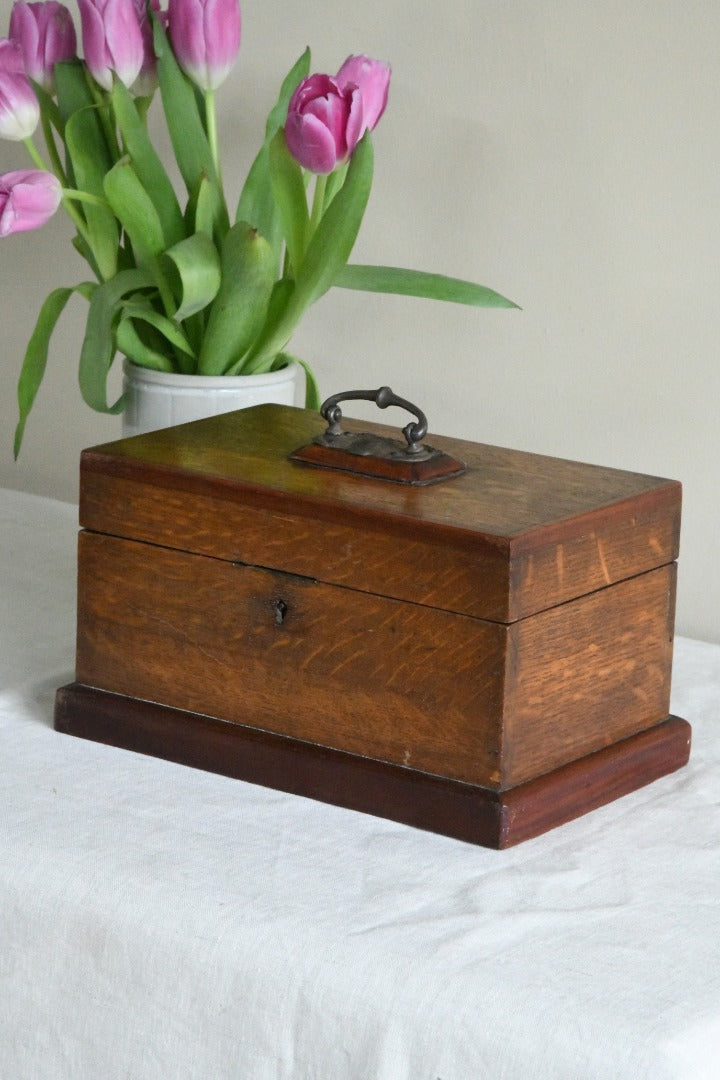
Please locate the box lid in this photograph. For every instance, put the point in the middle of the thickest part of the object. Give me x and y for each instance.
(517, 533)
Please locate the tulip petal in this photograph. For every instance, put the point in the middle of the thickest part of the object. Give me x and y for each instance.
(93, 39)
(311, 143)
(123, 40)
(11, 57)
(19, 109)
(372, 78)
(112, 40)
(205, 36)
(356, 123)
(45, 35)
(28, 199)
(323, 123)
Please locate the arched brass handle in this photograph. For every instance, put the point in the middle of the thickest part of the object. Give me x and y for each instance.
(383, 397)
(374, 453)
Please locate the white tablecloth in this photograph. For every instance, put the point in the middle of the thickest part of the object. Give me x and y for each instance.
(160, 923)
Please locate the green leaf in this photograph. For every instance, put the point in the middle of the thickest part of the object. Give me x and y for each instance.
(131, 345)
(256, 204)
(197, 263)
(135, 210)
(151, 353)
(49, 109)
(335, 236)
(238, 311)
(98, 348)
(335, 182)
(401, 282)
(278, 114)
(72, 88)
(90, 161)
(185, 125)
(262, 355)
(147, 165)
(36, 354)
(312, 391)
(327, 253)
(143, 312)
(204, 208)
(288, 188)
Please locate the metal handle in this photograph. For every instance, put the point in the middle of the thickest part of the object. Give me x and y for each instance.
(383, 397)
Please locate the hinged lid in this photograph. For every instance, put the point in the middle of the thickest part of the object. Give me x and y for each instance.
(515, 534)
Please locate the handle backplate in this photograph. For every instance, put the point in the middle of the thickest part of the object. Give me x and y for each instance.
(368, 453)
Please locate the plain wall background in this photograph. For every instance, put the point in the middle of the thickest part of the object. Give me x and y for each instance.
(564, 152)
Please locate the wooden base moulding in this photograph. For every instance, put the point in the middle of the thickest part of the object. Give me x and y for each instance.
(495, 819)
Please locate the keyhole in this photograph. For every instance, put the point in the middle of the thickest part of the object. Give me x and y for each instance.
(280, 609)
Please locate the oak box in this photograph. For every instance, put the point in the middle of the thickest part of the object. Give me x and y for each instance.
(486, 655)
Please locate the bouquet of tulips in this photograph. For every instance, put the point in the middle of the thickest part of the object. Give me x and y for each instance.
(179, 282)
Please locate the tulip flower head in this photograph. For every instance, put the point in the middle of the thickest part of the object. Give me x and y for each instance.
(45, 35)
(112, 40)
(372, 79)
(324, 123)
(159, 259)
(28, 198)
(205, 37)
(19, 109)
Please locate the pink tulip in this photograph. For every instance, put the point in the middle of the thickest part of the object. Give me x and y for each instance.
(19, 109)
(112, 40)
(205, 37)
(11, 57)
(372, 79)
(324, 123)
(46, 35)
(28, 198)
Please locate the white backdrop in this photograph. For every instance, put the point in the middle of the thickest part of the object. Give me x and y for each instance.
(564, 152)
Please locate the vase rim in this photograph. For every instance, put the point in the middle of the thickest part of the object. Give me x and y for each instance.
(178, 378)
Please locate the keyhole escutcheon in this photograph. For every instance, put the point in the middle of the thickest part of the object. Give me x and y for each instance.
(280, 608)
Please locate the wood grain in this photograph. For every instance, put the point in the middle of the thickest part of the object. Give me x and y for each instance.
(457, 696)
(356, 672)
(582, 675)
(516, 534)
(472, 814)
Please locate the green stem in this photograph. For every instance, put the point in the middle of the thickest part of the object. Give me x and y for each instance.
(336, 180)
(76, 218)
(212, 130)
(318, 205)
(35, 154)
(68, 194)
(84, 196)
(101, 99)
(53, 150)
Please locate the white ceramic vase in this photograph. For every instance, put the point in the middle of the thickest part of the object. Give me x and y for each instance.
(158, 399)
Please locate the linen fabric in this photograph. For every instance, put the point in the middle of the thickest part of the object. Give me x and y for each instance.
(157, 921)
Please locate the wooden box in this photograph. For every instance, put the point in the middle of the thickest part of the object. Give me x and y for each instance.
(486, 657)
